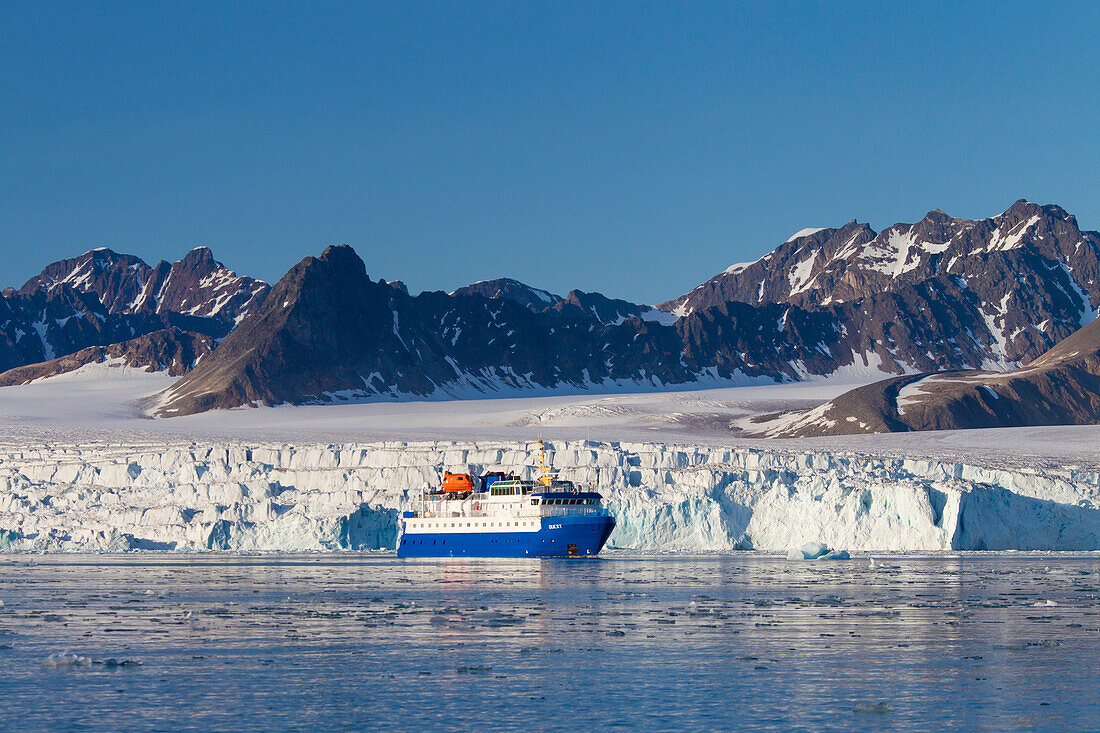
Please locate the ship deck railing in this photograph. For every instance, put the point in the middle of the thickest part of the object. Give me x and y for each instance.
(542, 511)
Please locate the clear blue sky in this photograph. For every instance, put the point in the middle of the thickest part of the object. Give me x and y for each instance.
(631, 148)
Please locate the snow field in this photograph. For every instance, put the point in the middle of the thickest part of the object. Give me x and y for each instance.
(666, 498)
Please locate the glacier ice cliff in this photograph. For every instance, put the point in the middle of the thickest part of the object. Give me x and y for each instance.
(114, 496)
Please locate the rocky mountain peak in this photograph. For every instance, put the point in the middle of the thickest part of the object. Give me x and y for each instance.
(342, 255)
(200, 257)
(603, 309)
(513, 290)
(396, 285)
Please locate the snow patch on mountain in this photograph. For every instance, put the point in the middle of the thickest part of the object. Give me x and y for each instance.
(1000, 241)
(1088, 312)
(800, 277)
(655, 315)
(807, 232)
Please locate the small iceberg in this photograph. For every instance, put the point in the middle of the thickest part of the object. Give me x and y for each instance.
(64, 660)
(817, 551)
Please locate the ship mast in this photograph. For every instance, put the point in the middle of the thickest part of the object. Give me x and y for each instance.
(544, 479)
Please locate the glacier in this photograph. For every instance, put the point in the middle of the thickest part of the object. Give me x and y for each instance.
(211, 495)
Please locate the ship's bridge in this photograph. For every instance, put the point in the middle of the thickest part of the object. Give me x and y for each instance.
(560, 503)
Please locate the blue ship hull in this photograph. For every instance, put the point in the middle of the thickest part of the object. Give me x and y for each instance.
(568, 536)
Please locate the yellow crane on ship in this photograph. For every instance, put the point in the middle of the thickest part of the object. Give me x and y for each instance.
(545, 478)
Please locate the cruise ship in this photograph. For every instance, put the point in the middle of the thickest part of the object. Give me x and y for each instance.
(500, 515)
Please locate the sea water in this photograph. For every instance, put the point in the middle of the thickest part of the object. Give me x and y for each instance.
(352, 642)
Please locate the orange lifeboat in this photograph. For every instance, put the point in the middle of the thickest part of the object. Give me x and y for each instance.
(457, 482)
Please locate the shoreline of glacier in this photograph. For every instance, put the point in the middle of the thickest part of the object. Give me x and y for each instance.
(266, 496)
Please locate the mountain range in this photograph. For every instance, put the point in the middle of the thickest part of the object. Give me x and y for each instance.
(102, 298)
(943, 294)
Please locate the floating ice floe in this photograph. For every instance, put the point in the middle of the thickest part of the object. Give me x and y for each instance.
(817, 551)
(113, 663)
(64, 660)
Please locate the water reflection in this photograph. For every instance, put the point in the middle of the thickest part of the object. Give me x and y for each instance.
(260, 642)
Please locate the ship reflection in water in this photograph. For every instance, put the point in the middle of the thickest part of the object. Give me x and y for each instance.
(351, 641)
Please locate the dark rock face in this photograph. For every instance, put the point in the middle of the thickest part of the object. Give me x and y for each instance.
(1061, 387)
(44, 324)
(328, 331)
(606, 311)
(168, 350)
(512, 290)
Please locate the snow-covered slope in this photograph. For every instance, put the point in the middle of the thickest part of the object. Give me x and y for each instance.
(272, 496)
